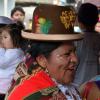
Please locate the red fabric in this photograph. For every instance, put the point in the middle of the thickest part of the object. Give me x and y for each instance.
(31, 85)
(87, 89)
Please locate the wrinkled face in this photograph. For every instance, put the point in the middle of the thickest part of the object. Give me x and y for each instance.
(6, 40)
(61, 63)
(18, 16)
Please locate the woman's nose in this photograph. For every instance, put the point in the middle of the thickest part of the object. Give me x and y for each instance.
(74, 59)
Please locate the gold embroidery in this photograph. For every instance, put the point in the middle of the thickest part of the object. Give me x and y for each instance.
(67, 18)
(49, 90)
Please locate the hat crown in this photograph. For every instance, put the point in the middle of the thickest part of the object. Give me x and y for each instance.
(53, 23)
(53, 19)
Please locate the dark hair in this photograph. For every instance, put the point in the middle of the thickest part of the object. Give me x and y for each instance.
(17, 8)
(15, 33)
(20, 25)
(88, 14)
(44, 48)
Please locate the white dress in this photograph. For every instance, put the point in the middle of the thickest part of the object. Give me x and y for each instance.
(9, 59)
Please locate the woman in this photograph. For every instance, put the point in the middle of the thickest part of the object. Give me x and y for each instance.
(51, 73)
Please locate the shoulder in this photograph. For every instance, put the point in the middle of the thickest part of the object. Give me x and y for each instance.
(13, 52)
(90, 91)
(85, 88)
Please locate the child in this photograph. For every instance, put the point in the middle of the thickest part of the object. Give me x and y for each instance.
(11, 53)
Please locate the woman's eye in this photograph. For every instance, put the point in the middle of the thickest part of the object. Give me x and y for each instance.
(70, 52)
(5, 37)
(67, 54)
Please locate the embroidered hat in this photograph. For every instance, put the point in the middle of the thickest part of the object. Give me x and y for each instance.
(53, 23)
(5, 21)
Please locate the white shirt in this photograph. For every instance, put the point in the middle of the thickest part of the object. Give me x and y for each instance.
(9, 59)
(70, 89)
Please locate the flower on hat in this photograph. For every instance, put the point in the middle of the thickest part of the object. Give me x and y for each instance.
(42, 25)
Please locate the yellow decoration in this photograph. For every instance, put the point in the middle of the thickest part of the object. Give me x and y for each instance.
(41, 20)
(67, 18)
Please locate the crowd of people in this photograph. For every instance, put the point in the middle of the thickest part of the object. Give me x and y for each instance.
(50, 62)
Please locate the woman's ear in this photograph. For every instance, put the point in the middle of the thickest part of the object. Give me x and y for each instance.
(42, 61)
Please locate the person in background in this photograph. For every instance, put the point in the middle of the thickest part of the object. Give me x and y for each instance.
(11, 53)
(90, 90)
(18, 14)
(88, 48)
(53, 69)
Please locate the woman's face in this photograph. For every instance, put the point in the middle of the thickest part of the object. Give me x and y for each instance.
(6, 40)
(18, 16)
(61, 63)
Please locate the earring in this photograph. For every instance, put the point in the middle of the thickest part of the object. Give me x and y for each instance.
(35, 63)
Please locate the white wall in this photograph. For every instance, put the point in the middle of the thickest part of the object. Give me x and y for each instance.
(28, 15)
(10, 6)
(1, 7)
(6, 6)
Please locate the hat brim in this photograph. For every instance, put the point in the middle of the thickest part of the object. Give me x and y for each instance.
(52, 37)
(6, 21)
